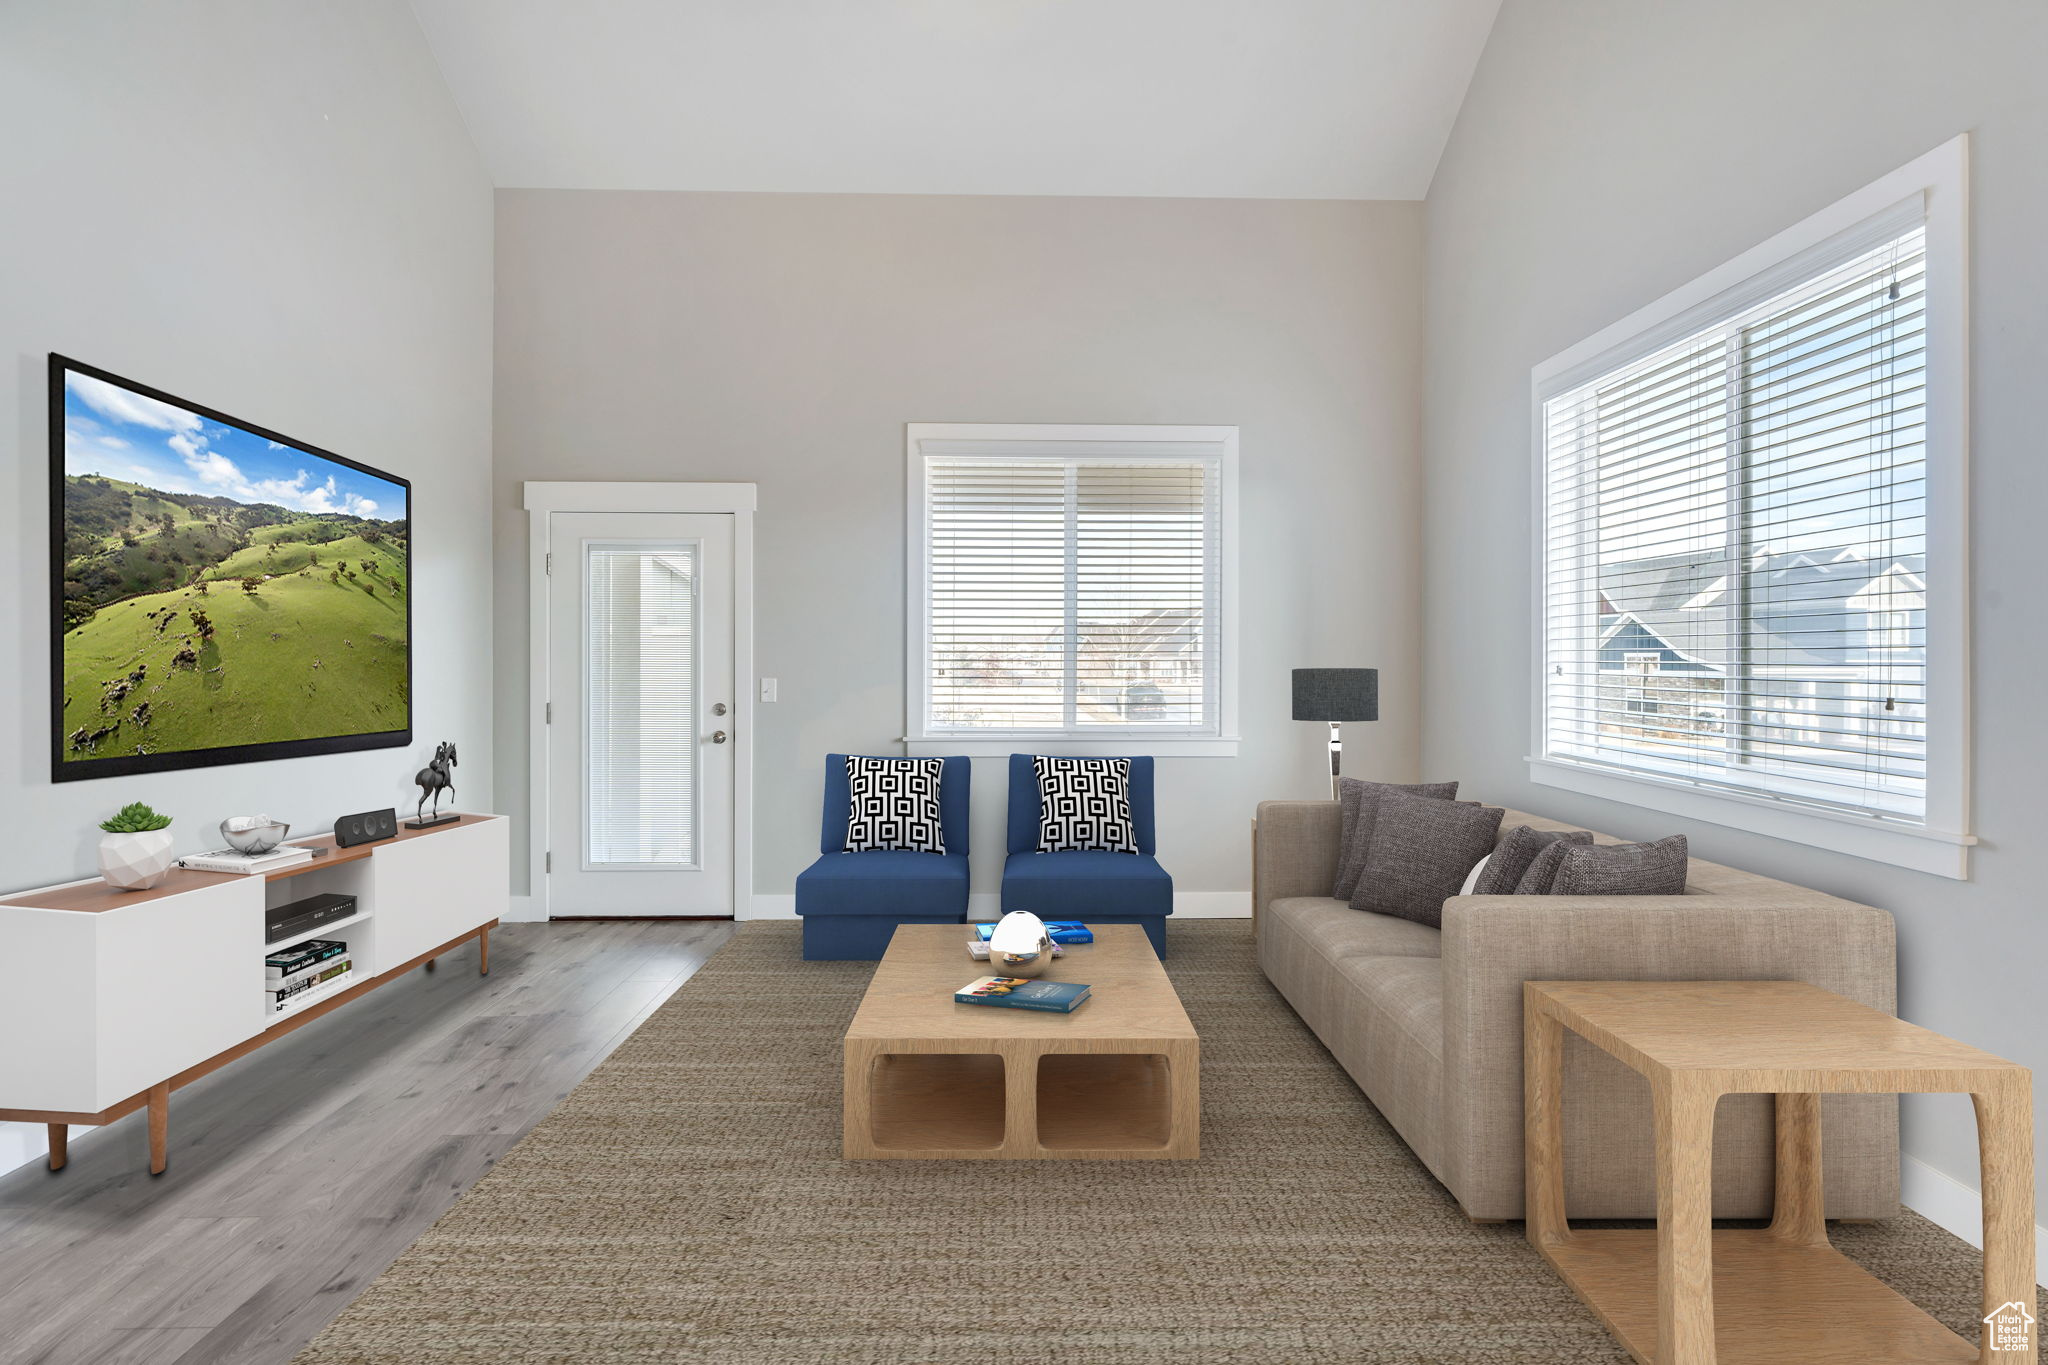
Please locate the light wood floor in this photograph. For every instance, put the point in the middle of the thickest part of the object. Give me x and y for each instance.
(300, 1172)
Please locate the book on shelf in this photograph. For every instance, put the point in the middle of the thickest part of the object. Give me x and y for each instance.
(1023, 993)
(233, 860)
(301, 957)
(303, 987)
(1058, 930)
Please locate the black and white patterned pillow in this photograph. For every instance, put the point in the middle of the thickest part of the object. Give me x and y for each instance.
(1085, 803)
(893, 803)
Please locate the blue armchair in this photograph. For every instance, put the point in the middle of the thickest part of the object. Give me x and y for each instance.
(1094, 887)
(851, 903)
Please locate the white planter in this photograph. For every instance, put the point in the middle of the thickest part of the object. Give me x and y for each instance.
(135, 862)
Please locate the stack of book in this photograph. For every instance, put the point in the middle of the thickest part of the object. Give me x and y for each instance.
(234, 860)
(290, 975)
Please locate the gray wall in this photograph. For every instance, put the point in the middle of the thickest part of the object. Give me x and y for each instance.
(1612, 150)
(786, 339)
(273, 210)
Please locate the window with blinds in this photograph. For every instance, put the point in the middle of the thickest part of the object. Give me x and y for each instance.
(1069, 589)
(1736, 577)
(640, 689)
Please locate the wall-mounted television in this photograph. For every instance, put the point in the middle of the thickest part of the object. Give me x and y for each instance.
(220, 593)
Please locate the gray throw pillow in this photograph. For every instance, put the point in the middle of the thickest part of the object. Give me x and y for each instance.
(1623, 869)
(1357, 802)
(1422, 848)
(1517, 849)
(1541, 877)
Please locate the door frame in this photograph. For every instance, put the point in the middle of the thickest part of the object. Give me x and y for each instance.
(542, 500)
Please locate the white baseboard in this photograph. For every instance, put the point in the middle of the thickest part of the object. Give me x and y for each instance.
(988, 905)
(523, 909)
(1948, 1203)
(771, 907)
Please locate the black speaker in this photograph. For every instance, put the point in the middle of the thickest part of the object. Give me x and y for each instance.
(366, 828)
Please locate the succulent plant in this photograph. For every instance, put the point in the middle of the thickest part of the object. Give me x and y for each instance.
(135, 818)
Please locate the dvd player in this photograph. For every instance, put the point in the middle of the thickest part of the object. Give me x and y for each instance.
(281, 922)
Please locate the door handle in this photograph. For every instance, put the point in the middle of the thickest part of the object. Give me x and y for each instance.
(718, 708)
(718, 736)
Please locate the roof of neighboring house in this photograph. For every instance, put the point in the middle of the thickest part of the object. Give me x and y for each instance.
(1805, 608)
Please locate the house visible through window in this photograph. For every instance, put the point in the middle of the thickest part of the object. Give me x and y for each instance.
(1735, 561)
(1069, 582)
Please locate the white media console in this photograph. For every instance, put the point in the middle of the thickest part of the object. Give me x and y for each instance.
(123, 997)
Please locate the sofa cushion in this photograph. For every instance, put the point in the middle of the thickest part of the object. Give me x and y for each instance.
(1357, 802)
(1421, 851)
(883, 882)
(1333, 929)
(1072, 885)
(1623, 869)
(1391, 1040)
(1513, 854)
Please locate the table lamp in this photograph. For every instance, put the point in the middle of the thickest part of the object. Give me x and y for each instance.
(1336, 695)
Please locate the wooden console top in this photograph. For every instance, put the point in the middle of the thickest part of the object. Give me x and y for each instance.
(94, 896)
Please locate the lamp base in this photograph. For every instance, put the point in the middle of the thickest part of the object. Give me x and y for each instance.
(1336, 756)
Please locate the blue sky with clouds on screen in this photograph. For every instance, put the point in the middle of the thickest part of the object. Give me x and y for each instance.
(125, 435)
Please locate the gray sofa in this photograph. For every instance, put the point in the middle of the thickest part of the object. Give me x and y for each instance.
(1429, 1022)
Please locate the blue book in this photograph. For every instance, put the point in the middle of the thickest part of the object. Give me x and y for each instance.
(1022, 993)
(1058, 930)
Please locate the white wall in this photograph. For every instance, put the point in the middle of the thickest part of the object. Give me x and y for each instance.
(786, 339)
(1611, 150)
(274, 210)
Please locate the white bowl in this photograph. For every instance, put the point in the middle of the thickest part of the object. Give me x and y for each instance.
(261, 839)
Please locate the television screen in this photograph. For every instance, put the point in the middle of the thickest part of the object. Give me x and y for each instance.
(221, 593)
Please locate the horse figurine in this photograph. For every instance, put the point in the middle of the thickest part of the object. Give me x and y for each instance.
(436, 778)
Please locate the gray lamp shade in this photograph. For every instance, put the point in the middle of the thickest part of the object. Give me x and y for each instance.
(1336, 694)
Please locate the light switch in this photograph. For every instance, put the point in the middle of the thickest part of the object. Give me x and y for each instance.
(767, 689)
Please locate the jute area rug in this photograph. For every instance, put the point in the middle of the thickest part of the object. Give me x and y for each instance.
(688, 1203)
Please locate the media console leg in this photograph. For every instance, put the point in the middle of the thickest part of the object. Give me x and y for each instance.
(60, 1137)
(483, 952)
(159, 1126)
(430, 964)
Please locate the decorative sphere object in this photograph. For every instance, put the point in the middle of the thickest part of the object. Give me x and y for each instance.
(1019, 945)
(253, 833)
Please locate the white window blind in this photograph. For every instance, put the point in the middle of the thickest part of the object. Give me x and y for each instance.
(640, 665)
(1736, 578)
(1071, 594)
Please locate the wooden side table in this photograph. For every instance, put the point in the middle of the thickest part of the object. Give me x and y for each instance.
(1685, 1294)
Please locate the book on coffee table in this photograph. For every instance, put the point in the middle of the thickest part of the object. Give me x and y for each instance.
(1023, 993)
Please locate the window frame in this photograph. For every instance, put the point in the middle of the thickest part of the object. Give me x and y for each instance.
(1940, 846)
(923, 741)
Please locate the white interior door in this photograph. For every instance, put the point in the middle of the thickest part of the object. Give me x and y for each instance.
(641, 714)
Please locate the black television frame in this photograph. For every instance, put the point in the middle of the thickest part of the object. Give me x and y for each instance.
(124, 765)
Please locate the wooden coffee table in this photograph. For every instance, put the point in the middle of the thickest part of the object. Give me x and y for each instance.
(1685, 1294)
(928, 1078)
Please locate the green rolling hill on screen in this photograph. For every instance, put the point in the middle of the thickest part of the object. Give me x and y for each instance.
(196, 622)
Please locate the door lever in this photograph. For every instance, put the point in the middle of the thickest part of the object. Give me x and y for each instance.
(718, 708)
(718, 736)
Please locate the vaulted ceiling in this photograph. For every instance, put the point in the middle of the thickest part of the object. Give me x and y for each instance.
(1314, 99)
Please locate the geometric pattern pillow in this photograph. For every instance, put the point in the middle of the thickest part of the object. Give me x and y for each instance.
(893, 804)
(1085, 803)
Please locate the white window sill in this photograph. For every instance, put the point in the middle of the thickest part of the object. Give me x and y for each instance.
(1934, 852)
(1114, 746)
